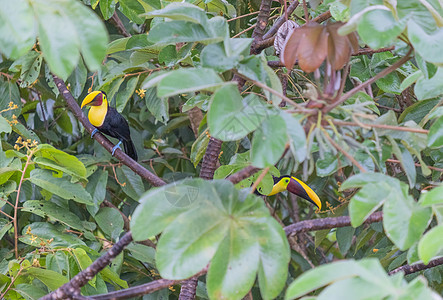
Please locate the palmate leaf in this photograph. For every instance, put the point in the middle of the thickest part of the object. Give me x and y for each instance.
(232, 228)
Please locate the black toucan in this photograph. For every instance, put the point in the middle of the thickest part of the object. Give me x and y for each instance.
(295, 186)
(107, 120)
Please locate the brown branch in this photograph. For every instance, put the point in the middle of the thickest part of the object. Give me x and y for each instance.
(262, 20)
(188, 289)
(120, 155)
(365, 51)
(382, 126)
(358, 88)
(137, 291)
(119, 25)
(322, 17)
(210, 159)
(72, 288)
(409, 269)
(243, 174)
(416, 164)
(328, 223)
(273, 30)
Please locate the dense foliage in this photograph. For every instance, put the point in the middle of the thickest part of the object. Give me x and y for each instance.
(364, 128)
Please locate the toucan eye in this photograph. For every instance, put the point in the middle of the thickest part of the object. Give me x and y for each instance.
(287, 180)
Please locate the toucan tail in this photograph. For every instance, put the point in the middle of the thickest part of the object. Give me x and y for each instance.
(130, 149)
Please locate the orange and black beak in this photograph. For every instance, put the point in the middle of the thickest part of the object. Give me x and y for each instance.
(301, 189)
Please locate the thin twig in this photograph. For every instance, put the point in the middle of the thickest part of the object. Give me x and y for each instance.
(382, 126)
(243, 174)
(416, 164)
(345, 153)
(358, 88)
(119, 25)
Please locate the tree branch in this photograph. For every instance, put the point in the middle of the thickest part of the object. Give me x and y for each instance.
(119, 25)
(137, 291)
(328, 223)
(72, 288)
(120, 155)
(243, 174)
(409, 269)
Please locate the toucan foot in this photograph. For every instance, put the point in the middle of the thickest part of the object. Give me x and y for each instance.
(94, 132)
(116, 147)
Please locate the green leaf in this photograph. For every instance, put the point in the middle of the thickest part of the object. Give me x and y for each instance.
(29, 291)
(406, 160)
(181, 11)
(426, 44)
(4, 125)
(362, 179)
(159, 107)
(403, 219)
(113, 278)
(432, 197)
(142, 253)
(65, 162)
(429, 88)
(124, 95)
(110, 221)
(4, 227)
(430, 245)
(411, 79)
(16, 27)
(344, 238)
(45, 231)
(198, 148)
(230, 117)
(296, 136)
(53, 211)
(97, 188)
(378, 28)
(417, 111)
(320, 276)
(29, 67)
(51, 279)
(268, 143)
(188, 80)
(107, 8)
(9, 93)
(368, 200)
(131, 182)
(435, 136)
(132, 10)
(77, 79)
(60, 186)
(83, 261)
(214, 56)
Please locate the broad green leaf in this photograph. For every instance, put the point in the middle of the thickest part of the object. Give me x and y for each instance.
(429, 88)
(430, 245)
(181, 11)
(4, 227)
(234, 267)
(230, 117)
(320, 276)
(391, 82)
(63, 119)
(54, 212)
(161, 206)
(77, 79)
(4, 125)
(58, 262)
(188, 80)
(60, 186)
(214, 56)
(9, 93)
(411, 79)
(379, 28)
(30, 291)
(269, 142)
(110, 221)
(16, 27)
(403, 219)
(406, 161)
(132, 10)
(113, 278)
(51, 279)
(426, 44)
(368, 200)
(362, 179)
(83, 261)
(435, 136)
(432, 197)
(329, 164)
(45, 231)
(29, 67)
(6, 173)
(344, 238)
(107, 8)
(159, 107)
(198, 148)
(66, 162)
(97, 188)
(417, 111)
(124, 95)
(131, 183)
(142, 253)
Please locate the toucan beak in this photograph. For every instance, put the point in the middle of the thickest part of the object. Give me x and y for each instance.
(89, 98)
(301, 189)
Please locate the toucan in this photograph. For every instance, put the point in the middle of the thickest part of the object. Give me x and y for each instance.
(107, 120)
(294, 186)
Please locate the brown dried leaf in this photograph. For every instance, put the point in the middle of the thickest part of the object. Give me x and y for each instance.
(339, 48)
(313, 47)
(289, 53)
